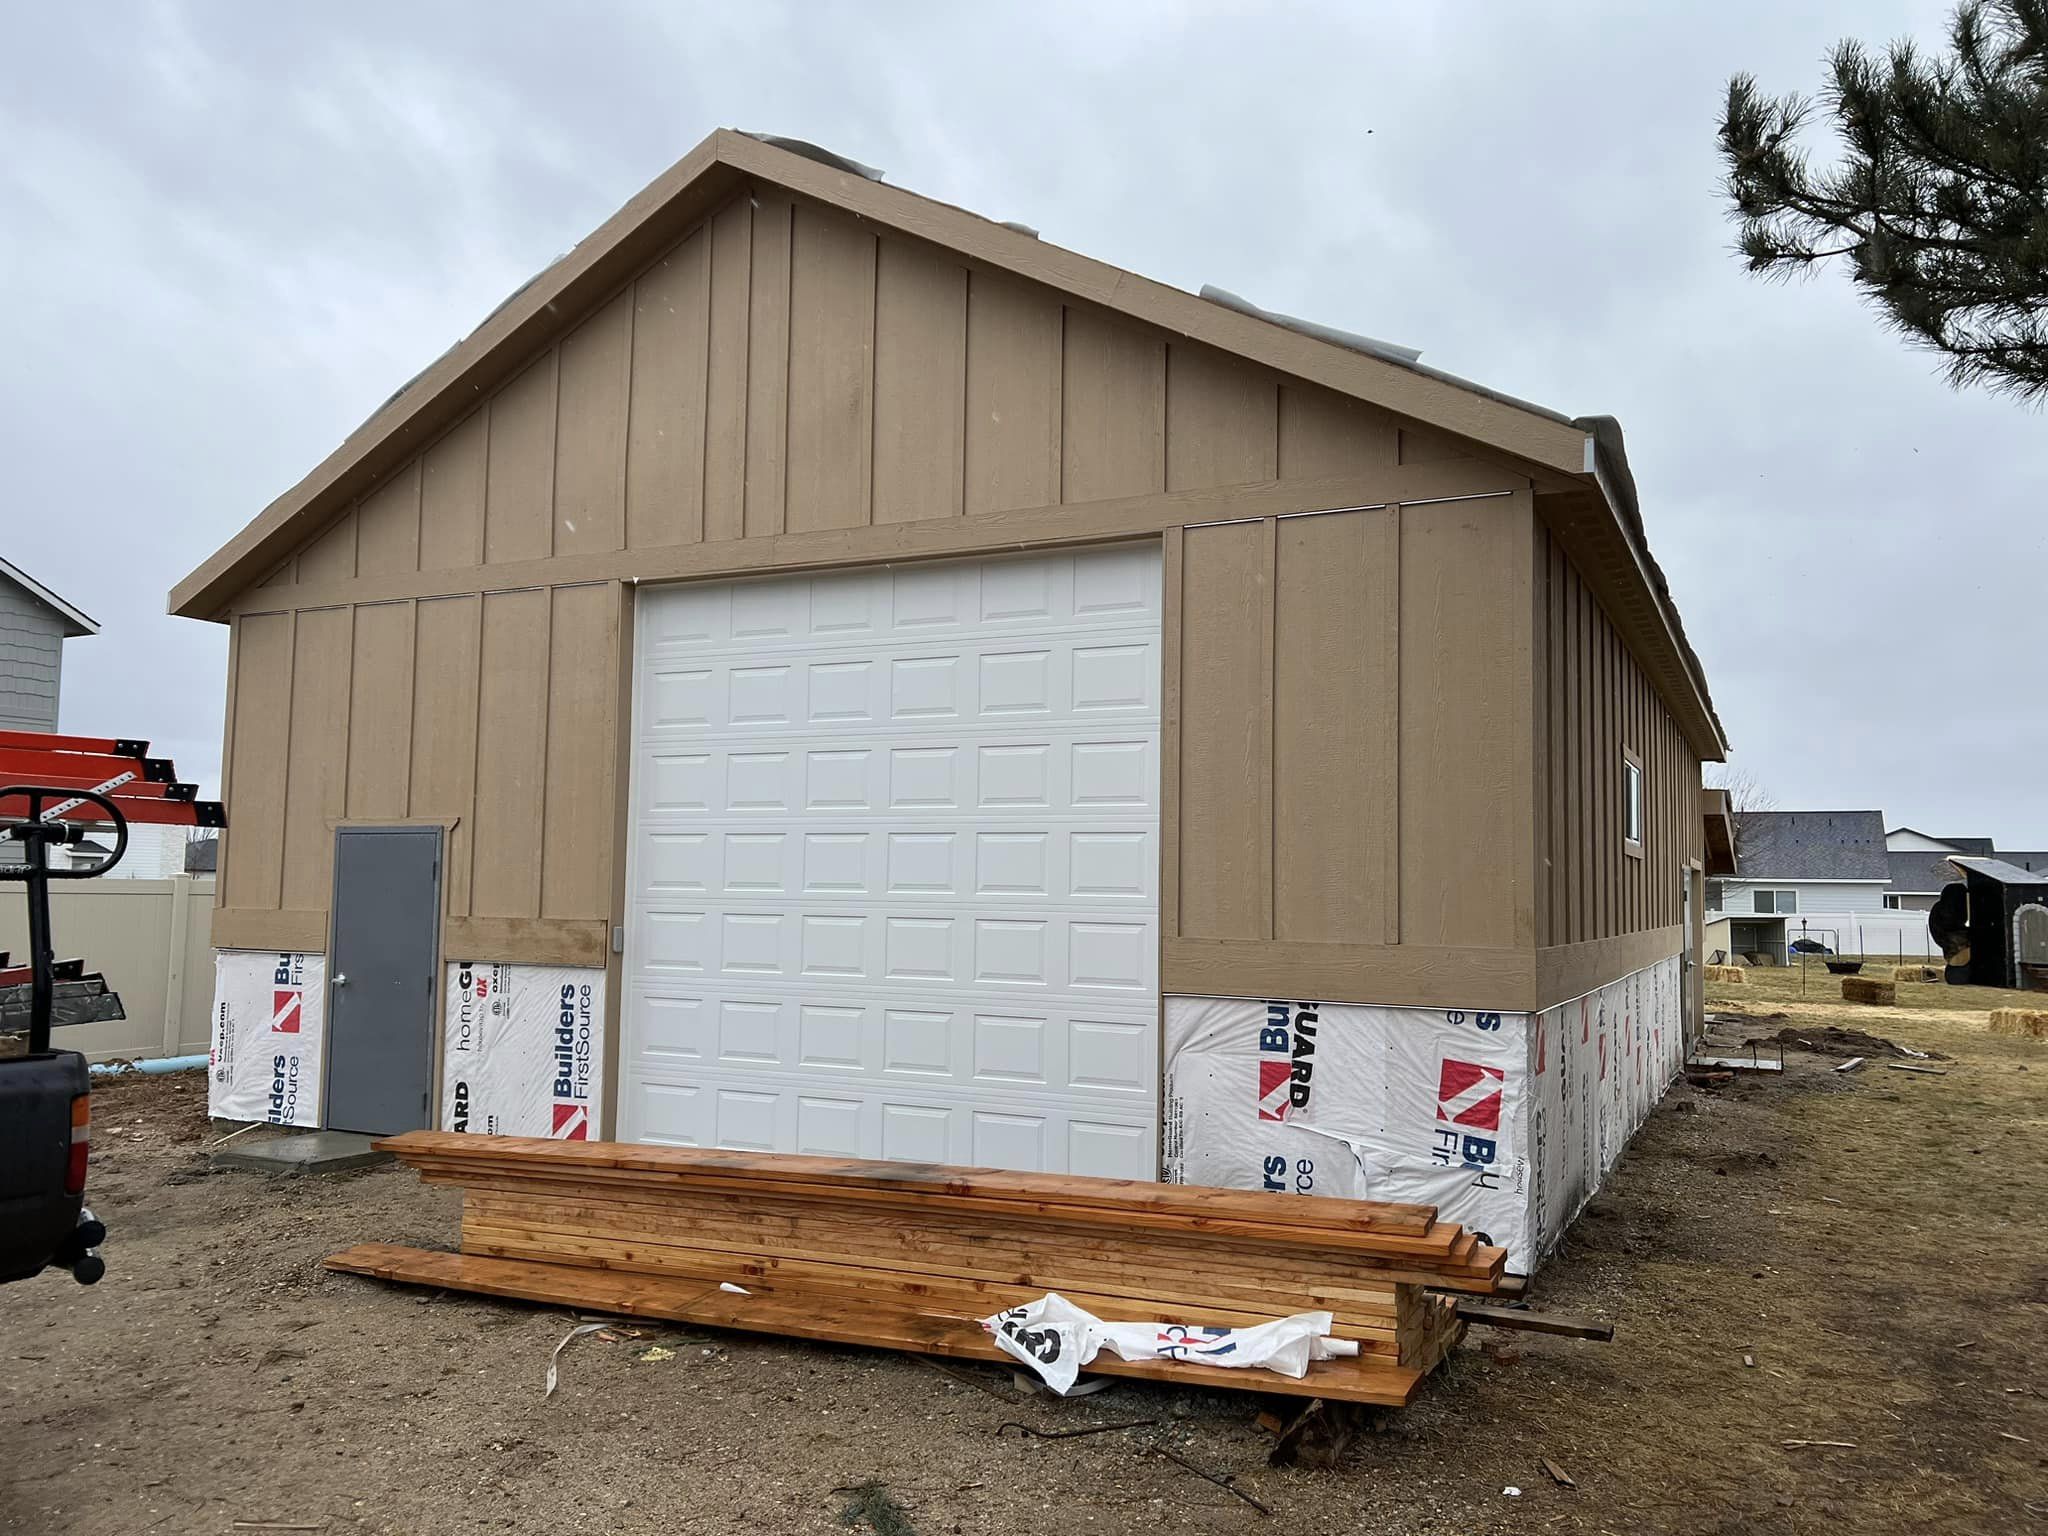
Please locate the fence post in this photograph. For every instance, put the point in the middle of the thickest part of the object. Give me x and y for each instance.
(174, 976)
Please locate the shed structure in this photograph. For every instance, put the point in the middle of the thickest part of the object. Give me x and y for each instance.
(874, 656)
(2008, 923)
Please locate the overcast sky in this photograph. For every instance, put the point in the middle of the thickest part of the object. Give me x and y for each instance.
(229, 230)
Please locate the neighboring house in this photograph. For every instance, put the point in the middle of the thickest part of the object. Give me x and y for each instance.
(154, 853)
(1814, 875)
(34, 624)
(202, 855)
(1917, 878)
(1912, 840)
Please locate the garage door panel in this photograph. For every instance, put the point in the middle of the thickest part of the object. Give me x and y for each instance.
(949, 1125)
(943, 683)
(1073, 1053)
(1059, 775)
(915, 950)
(893, 864)
(1079, 866)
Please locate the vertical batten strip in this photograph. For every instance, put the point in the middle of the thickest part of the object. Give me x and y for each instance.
(1170, 819)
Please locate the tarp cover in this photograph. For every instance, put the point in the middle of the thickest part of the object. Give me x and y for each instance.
(269, 1024)
(524, 1051)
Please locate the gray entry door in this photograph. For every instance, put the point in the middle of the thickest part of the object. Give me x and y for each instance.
(380, 978)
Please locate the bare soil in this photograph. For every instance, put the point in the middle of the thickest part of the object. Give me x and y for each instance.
(1872, 1241)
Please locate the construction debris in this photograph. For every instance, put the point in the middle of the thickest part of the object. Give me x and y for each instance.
(1529, 1321)
(1852, 1064)
(911, 1257)
(1224, 1480)
(1558, 1475)
(1907, 1066)
(555, 1356)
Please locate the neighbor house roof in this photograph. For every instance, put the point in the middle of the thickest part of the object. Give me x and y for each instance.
(75, 622)
(2036, 863)
(1920, 871)
(1811, 845)
(1581, 455)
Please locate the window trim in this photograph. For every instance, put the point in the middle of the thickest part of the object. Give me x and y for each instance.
(1635, 799)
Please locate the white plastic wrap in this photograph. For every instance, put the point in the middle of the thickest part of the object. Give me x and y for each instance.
(269, 1024)
(1506, 1122)
(1056, 1339)
(1359, 1102)
(523, 1051)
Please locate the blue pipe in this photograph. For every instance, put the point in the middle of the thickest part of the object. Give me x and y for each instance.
(154, 1068)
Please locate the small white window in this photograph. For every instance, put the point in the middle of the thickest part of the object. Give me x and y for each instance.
(1632, 801)
(1893, 903)
(1776, 903)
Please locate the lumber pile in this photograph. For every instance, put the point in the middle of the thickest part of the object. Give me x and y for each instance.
(1862, 989)
(912, 1256)
(2031, 1023)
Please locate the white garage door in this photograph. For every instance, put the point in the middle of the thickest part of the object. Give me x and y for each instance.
(894, 864)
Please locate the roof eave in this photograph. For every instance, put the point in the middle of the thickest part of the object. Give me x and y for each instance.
(77, 623)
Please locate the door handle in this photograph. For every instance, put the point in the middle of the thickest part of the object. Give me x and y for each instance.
(339, 981)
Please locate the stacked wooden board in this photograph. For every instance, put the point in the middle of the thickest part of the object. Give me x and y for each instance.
(913, 1256)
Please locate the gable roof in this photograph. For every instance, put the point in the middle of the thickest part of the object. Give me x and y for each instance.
(1560, 453)
(1920, 872)
(2033, 863)
(1811, 845)
(76, 623)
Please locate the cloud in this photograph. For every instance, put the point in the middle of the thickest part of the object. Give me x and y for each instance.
(242, 225)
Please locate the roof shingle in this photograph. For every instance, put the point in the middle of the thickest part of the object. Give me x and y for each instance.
(1811, 845)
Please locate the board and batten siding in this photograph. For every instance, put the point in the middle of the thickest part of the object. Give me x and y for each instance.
(1599, 900)
(1350, 802)
(493, 714)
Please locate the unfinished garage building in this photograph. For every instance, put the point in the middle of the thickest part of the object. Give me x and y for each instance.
(818, 670)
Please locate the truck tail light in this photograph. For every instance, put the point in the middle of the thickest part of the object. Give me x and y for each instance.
(81, 1144)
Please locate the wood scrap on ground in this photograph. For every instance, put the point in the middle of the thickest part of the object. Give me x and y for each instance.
(1529, 1321)
(912, 1257)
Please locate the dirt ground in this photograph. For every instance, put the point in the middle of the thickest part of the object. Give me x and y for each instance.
(1872, 1241)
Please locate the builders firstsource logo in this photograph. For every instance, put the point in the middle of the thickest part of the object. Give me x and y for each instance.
(572, 1123)
(287, 994)
(1287, 1052)
(573, 1062)
(1468, 1093)
(1468, 1112)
